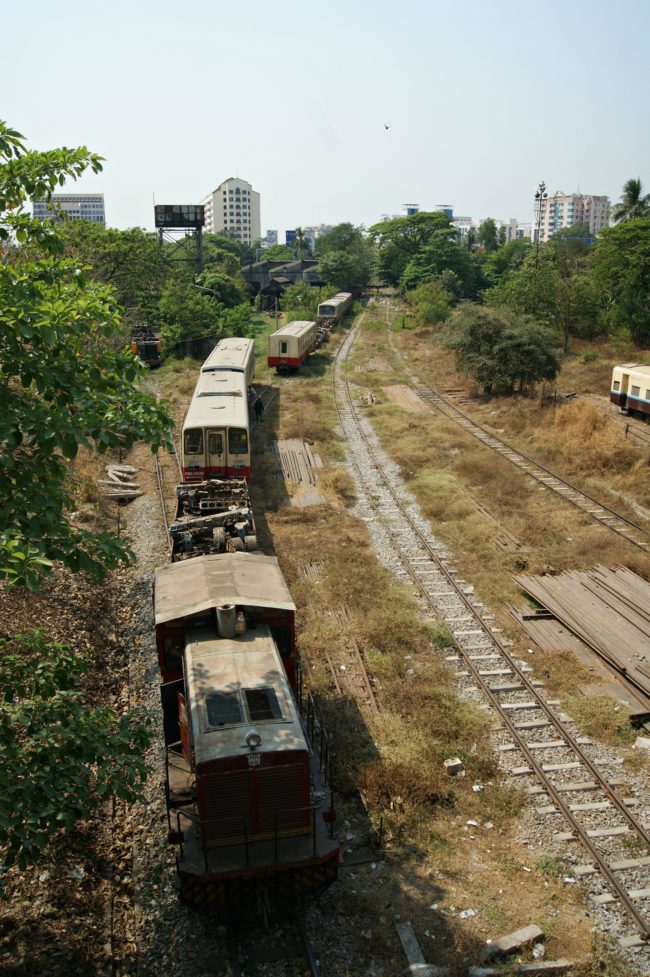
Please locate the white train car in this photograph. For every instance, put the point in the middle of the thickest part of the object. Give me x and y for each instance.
(332, 311)
(216, 429)
(631, 388)
(232, 354)
(290, 346)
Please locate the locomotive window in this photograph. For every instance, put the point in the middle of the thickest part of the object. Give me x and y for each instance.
(635, 391)
(262, 704)
(617, 384)
(224, 708)
(194, 442)
(215, 444)
(283, 347)
(237, 441)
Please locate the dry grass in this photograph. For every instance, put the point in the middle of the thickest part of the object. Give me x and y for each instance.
(600, 716)
(589, 442)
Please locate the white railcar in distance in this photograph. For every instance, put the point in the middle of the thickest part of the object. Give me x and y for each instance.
(216, 441)
(232, 354)
(290, 346)
(332, 311)
(631, 388)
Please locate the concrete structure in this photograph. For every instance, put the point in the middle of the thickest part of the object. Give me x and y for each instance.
(514, 230)
(233, 209)
(564, 210)
(75, 206)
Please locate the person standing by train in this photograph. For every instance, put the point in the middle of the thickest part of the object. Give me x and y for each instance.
(251, 396)
(259, 408)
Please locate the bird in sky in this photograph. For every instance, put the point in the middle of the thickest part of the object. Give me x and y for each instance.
(385, 126)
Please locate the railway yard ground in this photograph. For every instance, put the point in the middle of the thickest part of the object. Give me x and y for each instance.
(463, 859)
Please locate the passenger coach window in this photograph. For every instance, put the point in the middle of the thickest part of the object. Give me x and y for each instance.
(635, 391)
(237, 441)
(194, 442)
(283, 347)
(617, 384)
(215, 444)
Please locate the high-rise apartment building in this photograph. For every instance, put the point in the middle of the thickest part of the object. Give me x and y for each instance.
(233, 209)
(76, 206)
(565, 210)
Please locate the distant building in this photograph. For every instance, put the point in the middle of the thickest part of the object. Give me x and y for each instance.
(233, 209)
(514, 230)
(74, 206)
(564, 210)
(313, 233)
(409, 209)
(447, 209)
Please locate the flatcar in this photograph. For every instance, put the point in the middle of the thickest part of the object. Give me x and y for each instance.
(631, 388)
(290, 346)
(332, 311)
(215, 438)
(232, 354)
(246, 780)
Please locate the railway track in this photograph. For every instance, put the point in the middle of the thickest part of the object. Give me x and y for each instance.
(600, 512)
(161, 471)
(544, 748)
(286, 945)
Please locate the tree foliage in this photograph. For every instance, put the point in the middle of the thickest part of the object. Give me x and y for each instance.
(488, 236)
(59, 756)
(351, 241)
(501, 350)
(431, 303)
(633, 203)
(621, 269)
(62, 386)
(401, 239)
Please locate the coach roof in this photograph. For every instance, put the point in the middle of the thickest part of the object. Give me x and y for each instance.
(191, 586)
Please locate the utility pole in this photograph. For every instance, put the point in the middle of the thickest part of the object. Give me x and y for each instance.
(540, 197)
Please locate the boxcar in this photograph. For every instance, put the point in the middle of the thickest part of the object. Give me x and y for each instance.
(290, 346)
(631, 388)
(332, 311)
(216, 441)
(247, 799)
(232, 354)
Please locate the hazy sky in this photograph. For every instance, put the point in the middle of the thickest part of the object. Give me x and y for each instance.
(484, 99)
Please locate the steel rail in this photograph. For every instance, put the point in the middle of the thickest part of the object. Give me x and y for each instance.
(439, 402)
(642, 924)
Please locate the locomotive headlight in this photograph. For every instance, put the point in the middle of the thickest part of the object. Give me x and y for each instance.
(254, 739)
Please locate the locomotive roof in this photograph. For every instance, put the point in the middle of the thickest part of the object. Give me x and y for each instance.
(219, 400)
(234, 686)
(191, 586)
(231, 353)
(296, 328)
(634, 368)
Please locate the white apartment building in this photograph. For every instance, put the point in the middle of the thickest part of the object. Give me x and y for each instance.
(74, 206)
(233, 209)
(565, 210)
(514, 230)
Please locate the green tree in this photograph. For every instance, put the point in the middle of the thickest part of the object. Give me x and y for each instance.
(302, 243)
(431, 302)
(59, 756)
(444, 255)
(187, 312)
(300, 301)
(353, 241)
(277, 252)
(621, 270)
(131, 262)
(634, 202)
(502, 262)
(342, 270)
(401, 239)
(61, 383)
(226, 290)
(488, 236)
(501, 350)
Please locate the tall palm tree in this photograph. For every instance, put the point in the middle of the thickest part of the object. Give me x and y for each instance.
(634, 203)
(302, 242)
